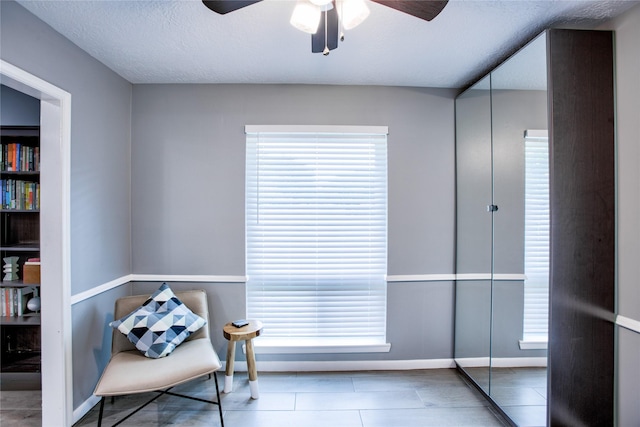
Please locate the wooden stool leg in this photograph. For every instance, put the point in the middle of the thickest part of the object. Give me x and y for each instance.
(253, 371)
(228, 378)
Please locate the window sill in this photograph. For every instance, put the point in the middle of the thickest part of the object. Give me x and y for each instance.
(533, 344)
(265, 345)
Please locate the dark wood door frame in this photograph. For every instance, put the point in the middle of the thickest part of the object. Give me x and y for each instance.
(582, 270)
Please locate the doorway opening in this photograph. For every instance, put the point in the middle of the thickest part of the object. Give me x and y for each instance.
(55, 142)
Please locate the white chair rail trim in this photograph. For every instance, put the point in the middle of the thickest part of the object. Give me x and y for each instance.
(397, 278)
(421, 278)
(452, 277)
(628, 323)
(82, 296)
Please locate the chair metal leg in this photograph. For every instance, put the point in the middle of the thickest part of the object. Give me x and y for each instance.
(167, 392)
(101, 410)
(215, 378)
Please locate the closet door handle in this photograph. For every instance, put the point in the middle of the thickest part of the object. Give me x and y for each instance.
(492, 208)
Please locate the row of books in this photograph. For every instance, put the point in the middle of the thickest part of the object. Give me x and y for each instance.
(17, 157)
(14, 300)
(17, 194)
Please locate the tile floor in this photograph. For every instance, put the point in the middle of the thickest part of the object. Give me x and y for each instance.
(520, 392)
(437, 397)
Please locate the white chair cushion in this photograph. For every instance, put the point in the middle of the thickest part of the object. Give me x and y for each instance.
(131, 372)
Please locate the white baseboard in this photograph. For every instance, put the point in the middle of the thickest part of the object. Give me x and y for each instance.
(473, 362)
(85, 407)
(351, 365)
(502, 362)
(518, 362)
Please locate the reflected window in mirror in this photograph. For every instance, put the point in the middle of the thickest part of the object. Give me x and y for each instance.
(536, 241)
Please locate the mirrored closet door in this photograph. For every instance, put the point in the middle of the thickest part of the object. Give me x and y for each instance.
(501, 326)
(474, 232)
(520, 235)
(535, 280)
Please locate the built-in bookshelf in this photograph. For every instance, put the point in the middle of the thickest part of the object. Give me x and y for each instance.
(20, 250)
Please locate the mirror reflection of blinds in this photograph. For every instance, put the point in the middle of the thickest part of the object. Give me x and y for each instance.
(536, 258)
(316, 233)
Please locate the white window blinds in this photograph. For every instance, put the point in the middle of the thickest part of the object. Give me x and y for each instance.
(316, 231)
(536, 259)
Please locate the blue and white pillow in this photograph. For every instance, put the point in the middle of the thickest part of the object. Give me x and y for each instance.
(159, 325)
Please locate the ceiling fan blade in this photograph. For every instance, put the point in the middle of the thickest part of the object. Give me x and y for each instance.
(226, 6)
(318, 40)
(423, 9)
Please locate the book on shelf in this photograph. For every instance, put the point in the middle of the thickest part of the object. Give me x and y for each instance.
(17, 157)
(14, 300)
(19, 194)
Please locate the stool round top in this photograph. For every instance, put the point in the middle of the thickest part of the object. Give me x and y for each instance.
(252, 330)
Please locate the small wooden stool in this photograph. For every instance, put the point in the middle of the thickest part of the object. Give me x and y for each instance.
(246, 333)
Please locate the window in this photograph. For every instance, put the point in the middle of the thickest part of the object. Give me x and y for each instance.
(536, 259)
(316, 234)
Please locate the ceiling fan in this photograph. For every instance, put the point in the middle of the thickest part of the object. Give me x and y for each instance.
(325, 20)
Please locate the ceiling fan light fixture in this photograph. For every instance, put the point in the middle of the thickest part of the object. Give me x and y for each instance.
(352, 13)
(306, 17)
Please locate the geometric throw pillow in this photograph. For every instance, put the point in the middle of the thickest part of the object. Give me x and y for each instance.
(159, 325)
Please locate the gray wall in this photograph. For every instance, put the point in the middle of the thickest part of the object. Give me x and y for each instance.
(100, 172)
(100, 141)
(18, 109)
(188, 158)
(627, 29)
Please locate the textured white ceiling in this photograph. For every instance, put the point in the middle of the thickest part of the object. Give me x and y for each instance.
(181, 41)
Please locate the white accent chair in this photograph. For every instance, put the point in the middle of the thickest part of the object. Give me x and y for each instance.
(130, 372)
